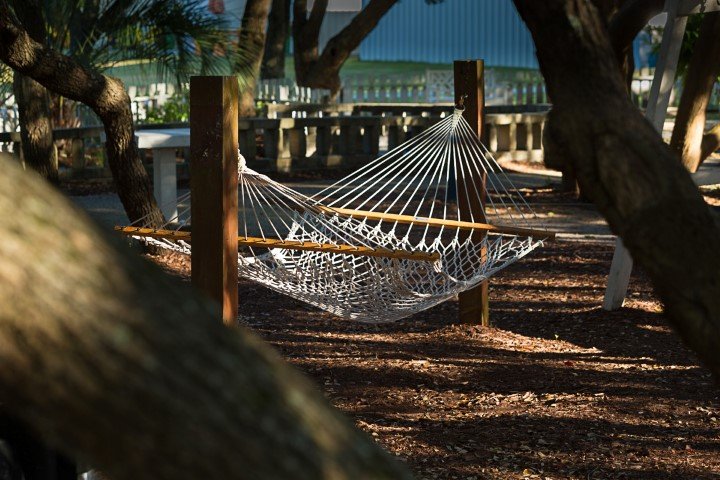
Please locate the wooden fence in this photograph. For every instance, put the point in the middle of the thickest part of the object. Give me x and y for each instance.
(287, 144)
(333, 140)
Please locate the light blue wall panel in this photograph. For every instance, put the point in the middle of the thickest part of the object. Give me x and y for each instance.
(454, 29)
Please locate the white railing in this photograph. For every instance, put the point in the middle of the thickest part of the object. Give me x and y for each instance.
(286, 90)
(434, 86)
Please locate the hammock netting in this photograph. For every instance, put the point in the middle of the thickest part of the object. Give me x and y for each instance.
(396, 237)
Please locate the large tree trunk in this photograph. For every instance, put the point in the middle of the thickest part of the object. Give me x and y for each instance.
(118, 363)
(323, 70)
(33, 103)
(702, 72)
(105, 95)
(273, 63)
(623, 19)
(622, 164)
(252, 44)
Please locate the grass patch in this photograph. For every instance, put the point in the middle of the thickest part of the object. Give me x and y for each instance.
(145, 72)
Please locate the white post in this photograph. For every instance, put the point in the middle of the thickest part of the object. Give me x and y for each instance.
(662, 84)
(165, 181)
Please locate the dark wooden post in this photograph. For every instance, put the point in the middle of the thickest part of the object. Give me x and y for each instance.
(214, 187)
(470, 86)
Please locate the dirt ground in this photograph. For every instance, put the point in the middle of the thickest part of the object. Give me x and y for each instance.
(558, 388)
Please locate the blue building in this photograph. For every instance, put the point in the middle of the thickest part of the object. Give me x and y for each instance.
(418, 31)
(414, 30)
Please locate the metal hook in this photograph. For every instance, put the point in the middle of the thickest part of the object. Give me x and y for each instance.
(461, 102)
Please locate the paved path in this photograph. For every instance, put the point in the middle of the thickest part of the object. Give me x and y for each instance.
(572, 221)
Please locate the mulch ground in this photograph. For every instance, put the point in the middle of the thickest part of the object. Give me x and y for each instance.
(557, 388)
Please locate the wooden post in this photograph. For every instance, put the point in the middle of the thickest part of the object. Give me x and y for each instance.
(214, 187)
(470, 85)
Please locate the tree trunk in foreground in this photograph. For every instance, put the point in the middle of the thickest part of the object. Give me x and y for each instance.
(323, 70)
(702, 72)
(273, 63)
(23, 457)
(105, 95)
(127, 368)
(33, 100)
(252, 43)
(622, 164)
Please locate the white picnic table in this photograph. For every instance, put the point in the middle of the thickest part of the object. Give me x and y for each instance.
(163, 143)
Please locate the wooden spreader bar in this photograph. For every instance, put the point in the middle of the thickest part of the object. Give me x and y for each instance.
(287, 244)
(439, 222)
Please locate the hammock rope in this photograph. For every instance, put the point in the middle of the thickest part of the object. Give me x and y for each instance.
(393, 238)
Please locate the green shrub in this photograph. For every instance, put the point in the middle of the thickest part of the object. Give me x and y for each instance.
(175, 109)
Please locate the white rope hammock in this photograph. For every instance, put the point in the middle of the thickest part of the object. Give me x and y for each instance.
(385, 242)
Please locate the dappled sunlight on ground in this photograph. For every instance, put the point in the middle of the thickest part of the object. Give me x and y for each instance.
(558, 388)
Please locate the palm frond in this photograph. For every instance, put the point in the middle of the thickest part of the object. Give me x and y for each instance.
(179, 37)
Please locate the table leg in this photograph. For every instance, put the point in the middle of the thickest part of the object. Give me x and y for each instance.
(165, 181)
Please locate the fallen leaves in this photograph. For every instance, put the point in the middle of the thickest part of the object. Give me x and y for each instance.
(557, 389)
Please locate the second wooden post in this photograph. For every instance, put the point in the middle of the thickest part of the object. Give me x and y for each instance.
(214, 187)
(470, 92)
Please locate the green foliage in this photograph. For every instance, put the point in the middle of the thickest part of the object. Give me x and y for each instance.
(179, 36)
(176, 109)
(692, 32)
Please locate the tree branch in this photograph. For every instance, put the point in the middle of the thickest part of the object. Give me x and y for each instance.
(300, 17)
(362, 24)
(710, 142)
(105, 95)
(317, 15)
(323, 70)
(632, 17)
(35, 60)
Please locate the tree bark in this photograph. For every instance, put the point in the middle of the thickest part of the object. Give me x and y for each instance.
(26, 457)
(710, 142)
(323, 70)
(273, 63)
(252, 41)
(625, 17)
(36, 131)
(105, 95)
(306, 36)
(629, 20)
(33, 103)
(118, 363)
(622, 164)
(702, 72)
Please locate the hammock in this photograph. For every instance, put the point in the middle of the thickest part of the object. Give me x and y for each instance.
(385, 242)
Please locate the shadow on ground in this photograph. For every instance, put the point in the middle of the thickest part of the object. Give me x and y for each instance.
(557, 388)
